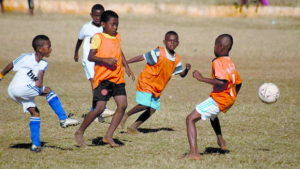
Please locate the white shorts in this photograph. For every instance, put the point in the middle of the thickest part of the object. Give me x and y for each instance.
(89, 68)
(24, 95)
(208, 109)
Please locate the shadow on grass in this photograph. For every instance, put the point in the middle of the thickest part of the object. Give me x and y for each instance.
(146, 130)
(210, 150)
(43, 145)
(213, 150)
(98, 142)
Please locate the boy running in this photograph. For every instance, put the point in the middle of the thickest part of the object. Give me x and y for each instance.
(87, 31)
(162, 63)
(109, 79)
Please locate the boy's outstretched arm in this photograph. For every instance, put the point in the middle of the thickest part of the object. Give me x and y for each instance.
(185, 72)
(136, 59)
(7, 69)
(127, 69)
(215, 82)
(92, 57)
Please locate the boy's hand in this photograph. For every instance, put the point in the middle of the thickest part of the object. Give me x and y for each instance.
(197, 75)
(76, 57)
(188, 66)
(110, 61)
(130, 73)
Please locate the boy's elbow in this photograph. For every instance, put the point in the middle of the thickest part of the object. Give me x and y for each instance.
(183, 73)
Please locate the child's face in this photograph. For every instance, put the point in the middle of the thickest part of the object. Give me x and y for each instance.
(111, 26)
(96, 15)
(46, 49)
(171, 42)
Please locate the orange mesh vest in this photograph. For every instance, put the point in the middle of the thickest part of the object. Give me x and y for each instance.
(224, 68)
(109, 48)
(154, 79)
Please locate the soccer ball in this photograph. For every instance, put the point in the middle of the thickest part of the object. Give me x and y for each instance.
(268, 93)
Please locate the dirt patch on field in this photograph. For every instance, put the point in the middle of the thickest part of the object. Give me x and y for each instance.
(83, 7)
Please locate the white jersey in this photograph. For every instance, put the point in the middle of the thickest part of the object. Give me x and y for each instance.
(87, 31)
(27, 68)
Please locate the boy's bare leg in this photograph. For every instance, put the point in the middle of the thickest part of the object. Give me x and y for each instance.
(217, 128)
(87, 121)
(142, 118)
(192, 135)
(134, 110)
(121, 107)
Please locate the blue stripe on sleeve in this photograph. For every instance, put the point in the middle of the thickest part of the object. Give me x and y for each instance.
(20, 58)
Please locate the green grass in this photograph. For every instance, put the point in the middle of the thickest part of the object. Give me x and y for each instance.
(258, 135)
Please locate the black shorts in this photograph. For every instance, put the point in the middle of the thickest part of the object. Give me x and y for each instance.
(106, 89)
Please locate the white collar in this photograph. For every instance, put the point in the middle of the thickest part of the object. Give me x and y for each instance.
(169, 56)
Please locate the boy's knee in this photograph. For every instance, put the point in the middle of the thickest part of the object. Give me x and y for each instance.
(189, 119)
(122, 106)
(47, 90)
(152, 111)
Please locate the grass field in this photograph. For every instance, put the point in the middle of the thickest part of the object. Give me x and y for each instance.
(258, 135)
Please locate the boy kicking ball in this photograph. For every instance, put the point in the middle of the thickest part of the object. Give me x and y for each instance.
(226, 85)
(28, 84)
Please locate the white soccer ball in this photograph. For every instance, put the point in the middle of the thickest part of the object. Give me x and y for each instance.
(268, 93)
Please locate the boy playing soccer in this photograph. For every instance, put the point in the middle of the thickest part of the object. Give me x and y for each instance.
(162, 63)
(109, 79)
(28, 83)
(87, 31)
(226, 85)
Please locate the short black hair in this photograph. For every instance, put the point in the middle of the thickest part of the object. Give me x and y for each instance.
(39, 41)
(230, 38)
(97, 7)
(106, 15)
(171, 33)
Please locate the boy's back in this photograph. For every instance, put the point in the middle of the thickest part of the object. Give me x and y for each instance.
(223, 68)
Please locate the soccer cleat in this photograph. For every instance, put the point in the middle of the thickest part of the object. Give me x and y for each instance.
(69, 122)
(35, 149)
(107, 113)
(100, 119)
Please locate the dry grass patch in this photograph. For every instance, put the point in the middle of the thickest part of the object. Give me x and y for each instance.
(258, 135)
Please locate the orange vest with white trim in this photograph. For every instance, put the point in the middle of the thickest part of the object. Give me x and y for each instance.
(154, 79)
(109, 48)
